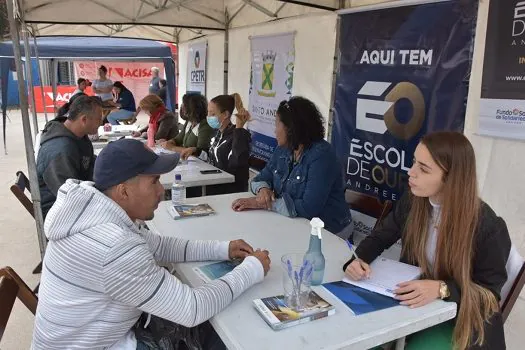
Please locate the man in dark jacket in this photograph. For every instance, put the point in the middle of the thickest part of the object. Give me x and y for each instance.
(65, 149)
(162, 93)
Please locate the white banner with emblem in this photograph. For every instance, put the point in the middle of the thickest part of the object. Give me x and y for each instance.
(271, 82)
(196, 79)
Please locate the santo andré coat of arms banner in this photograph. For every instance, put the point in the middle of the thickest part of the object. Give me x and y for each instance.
(271, 82)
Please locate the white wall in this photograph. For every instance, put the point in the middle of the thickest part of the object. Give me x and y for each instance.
(314, 52)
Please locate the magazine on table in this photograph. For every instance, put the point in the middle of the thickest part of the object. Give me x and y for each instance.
(278, 315)
(189, 210)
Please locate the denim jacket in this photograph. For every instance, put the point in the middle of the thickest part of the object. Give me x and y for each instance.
(313, 187)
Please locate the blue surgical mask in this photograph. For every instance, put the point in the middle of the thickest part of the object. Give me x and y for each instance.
(213, 121)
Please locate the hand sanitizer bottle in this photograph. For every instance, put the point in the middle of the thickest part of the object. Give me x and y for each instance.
(314, 253)
(178, 191)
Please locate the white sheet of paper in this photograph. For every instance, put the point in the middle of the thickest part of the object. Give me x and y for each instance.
(386, 275)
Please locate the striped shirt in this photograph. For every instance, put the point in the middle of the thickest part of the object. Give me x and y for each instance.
(100, 273)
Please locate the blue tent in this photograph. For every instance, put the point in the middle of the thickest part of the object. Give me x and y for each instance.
(91, 48)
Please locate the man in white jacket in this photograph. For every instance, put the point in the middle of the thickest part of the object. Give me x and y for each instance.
(100, 271)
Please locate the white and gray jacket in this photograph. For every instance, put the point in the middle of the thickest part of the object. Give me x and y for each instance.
(100, 273)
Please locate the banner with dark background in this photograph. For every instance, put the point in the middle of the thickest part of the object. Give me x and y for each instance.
(403, 73)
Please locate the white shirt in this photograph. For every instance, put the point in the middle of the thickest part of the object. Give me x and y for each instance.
(435, 217)
(77, 91)
(99, 84)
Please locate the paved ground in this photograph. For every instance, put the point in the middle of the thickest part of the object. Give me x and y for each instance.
(19, 245)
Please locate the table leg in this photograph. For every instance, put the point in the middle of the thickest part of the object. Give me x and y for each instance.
(400, 343)
(203, 191)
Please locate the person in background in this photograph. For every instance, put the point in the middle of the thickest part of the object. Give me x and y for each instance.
(162, 123)
(102, 87)
(82, 84)
(303, 177)
(154, 83)
(101, 277)
(125, 104)
(162, 93)
(196, 134)
(65, 150)
(230, 147)
(456, 239)
(64, 109)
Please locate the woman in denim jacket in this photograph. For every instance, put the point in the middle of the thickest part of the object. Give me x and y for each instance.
(303, 178)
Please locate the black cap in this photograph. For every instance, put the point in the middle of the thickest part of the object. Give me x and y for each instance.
(124, 159)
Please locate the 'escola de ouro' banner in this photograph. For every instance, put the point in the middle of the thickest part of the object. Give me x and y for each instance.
(403, 73)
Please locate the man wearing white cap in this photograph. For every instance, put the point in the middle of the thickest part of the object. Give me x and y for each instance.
(100, 271)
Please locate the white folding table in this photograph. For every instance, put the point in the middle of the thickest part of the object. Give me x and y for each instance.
(241, 327)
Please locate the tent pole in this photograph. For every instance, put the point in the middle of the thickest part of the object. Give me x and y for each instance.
(177, 41)
(29, 76)
(30, 154)
(41, 78)
(226, 49)
(54, 68)
(335, 70)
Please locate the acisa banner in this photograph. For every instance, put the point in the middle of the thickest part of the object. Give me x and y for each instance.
(271, 82)
(502, 105)
(403, 73)
(136, 76)
(196, 78)
(64, 93)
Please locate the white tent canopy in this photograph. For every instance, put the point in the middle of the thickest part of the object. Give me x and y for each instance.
(165, 20)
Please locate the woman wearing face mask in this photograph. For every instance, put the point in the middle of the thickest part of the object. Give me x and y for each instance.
(230, 147)
(303, 178)
(456, 239)
(196, 134)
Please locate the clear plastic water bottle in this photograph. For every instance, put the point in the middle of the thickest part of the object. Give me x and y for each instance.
(178, 191)
(315, 253)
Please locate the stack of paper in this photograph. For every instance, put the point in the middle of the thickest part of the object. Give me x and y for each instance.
(386, 275)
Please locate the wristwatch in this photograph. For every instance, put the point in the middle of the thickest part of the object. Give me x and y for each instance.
(443, 290)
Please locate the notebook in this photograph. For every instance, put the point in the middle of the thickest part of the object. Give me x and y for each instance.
(278, 315)
(189, 210)
(386, 275)
(216, 270)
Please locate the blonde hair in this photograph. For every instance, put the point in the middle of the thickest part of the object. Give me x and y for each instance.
(150, 103)
(460, 210)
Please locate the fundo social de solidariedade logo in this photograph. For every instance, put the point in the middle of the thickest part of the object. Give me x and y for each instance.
(382, 170)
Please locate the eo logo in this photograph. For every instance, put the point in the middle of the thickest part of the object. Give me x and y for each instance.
(385, 108)
(197, 60)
